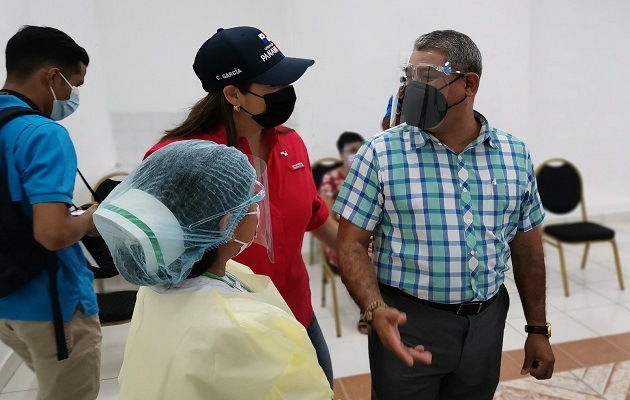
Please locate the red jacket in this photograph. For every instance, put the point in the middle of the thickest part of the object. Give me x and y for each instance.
(295, 209)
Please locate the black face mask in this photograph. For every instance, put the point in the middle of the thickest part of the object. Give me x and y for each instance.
(279, 105)
(425, 106)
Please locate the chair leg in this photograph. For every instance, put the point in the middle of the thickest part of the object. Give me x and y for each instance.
(311, 246)
(333, 285)
(563, 270)
(324, 281)
(585, 255)
(618, 264)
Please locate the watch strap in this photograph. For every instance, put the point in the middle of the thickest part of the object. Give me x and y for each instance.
(540, 329)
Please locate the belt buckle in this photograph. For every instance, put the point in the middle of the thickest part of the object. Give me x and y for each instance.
(464, 306)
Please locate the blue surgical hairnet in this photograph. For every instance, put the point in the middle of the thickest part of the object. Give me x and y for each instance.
(151, 221)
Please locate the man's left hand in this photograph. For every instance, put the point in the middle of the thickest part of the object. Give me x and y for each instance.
(385, 322)
(539, 359)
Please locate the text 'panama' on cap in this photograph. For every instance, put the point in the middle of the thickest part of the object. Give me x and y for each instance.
(245, 54)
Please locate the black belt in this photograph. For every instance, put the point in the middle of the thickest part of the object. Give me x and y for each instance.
(467, 308)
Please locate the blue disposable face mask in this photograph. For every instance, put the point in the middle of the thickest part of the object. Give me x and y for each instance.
(64, 108)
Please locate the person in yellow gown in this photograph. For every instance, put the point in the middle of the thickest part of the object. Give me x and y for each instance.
(204, 327)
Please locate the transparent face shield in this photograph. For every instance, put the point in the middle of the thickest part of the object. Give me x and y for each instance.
(426, 93)
(168, 213)
(264, 235)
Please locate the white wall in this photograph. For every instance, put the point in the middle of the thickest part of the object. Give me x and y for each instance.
(355, 46)
(579, 93)
(90, 126)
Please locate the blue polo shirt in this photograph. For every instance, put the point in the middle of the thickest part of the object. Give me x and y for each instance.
(39, 163)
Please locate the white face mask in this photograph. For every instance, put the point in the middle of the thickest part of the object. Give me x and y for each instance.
(350, 159)
(63, 108)
(245, 245)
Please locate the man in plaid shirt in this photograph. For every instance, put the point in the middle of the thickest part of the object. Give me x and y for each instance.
(449, 199)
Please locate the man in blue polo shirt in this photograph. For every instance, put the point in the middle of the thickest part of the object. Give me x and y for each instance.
(386, 123)
(45, 67)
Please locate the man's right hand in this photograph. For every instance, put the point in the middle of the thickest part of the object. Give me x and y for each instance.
(93, 232)
(385, 322)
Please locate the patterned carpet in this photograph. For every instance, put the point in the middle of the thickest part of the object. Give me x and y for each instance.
(608, 381)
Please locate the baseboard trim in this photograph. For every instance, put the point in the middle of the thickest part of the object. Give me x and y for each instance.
(8, 366)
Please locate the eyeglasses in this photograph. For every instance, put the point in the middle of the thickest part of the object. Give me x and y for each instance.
(259, 192)
(426, 73)
(259, 195)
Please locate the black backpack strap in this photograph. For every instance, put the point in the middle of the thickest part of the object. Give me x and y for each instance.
(6, 115)
(89, 187)
(9, 113)
(60, 334)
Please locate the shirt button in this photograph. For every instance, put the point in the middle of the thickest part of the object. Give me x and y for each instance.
(468, 220)
(472, 252)
(465, 190)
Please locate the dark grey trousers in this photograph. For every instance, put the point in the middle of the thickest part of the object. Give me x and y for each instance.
(466, 353)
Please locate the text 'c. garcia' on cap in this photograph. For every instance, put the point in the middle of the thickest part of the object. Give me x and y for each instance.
(245, 54)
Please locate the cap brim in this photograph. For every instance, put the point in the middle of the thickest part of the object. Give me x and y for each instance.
(285, 72)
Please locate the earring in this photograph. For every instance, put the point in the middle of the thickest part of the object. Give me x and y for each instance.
(237, 108)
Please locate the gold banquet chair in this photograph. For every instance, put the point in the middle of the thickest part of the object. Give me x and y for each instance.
(329, 272)
(319, 169)
(115, 307)
(561, 192)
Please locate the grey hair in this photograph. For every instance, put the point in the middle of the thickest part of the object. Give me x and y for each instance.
(461, 52)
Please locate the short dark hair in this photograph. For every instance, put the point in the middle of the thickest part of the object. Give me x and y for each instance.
(207, 260)
(348, 137)
(462, 53)
(33, 47)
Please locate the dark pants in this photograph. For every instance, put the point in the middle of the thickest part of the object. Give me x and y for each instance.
(321, 348)
(466, 353)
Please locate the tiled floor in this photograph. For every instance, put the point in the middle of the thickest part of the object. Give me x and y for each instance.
(608, 381)
(591, 328)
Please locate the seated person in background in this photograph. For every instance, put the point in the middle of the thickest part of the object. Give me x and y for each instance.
(206, 326)
(348, 145)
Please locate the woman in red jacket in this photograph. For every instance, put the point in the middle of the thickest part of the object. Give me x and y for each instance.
(248, 81)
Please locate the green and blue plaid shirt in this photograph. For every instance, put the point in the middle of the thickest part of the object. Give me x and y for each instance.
(442, 221)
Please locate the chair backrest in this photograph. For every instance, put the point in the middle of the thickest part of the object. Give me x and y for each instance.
(560, 186)
(320, 167)
(96, 246)
(106, 184)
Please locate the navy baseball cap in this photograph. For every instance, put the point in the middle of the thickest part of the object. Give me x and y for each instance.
(245, 54)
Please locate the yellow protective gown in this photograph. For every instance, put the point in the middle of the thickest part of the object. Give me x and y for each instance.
(210, 345)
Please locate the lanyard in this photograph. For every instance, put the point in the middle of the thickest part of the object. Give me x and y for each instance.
(229, 280)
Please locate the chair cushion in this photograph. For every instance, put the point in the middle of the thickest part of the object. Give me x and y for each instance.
(579, 232)
(116, 306)
(333, 268)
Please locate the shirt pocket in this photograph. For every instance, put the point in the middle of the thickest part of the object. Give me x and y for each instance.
(494, 200)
